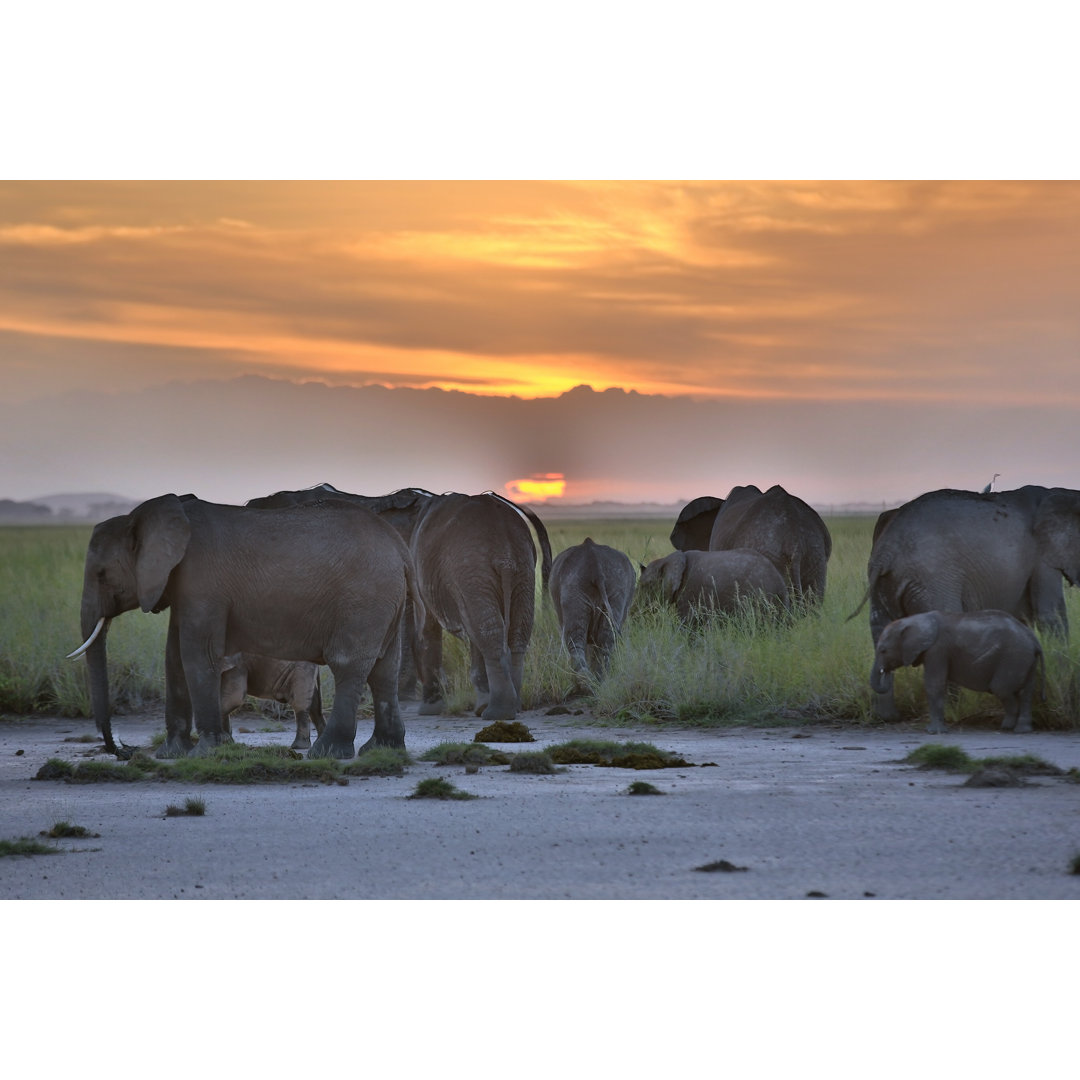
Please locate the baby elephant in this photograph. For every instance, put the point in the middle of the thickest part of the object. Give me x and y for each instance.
(716, 579)
(591, 587)
(292, 682)
(980, 650)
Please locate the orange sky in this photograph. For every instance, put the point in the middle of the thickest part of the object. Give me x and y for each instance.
(861, 292)
(774, 289)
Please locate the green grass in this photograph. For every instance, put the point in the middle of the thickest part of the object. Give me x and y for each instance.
(612, 754)
(436, 788)
(744, 669)
(191, 808)
(954, 759)
(26, 845)
(643, 787)
(464, 753)
(64, 829)
(533, 761)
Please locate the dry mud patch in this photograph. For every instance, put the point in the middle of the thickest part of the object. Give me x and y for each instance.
(812, 811)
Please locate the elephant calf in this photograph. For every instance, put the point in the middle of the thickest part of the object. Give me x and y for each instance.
(591, 587)
(980, 650)
(290, 682)
(719, 580)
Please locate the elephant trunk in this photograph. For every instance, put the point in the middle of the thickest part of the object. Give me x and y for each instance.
(881, 681)
(95, 629)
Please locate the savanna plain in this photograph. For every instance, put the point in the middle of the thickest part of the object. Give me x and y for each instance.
(788, 787)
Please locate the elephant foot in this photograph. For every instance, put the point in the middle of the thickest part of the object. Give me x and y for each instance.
(886, 711)
(175, 746)
(495, 714)
(208, 743)
(431, 708)
(300, 743)
(397, 744)
(328, 748)
(935, 729)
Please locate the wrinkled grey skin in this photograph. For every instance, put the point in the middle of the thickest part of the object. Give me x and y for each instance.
(720, 580)
(592, 586)
(324, 584)
(400, 509)
(783, 528)
(476, 570)
(980, 650)
(951, 550)
(290, 682)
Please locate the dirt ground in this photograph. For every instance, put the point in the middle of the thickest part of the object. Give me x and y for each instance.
(818, 811)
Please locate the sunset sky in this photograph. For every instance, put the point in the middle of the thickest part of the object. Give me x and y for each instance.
(857, 340)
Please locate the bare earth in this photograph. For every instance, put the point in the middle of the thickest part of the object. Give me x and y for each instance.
(817, 809)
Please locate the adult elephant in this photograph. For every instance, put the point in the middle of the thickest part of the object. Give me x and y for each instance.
(399, 509)
(324, 584)
(951, 550)
(774, 523)
(476, 570)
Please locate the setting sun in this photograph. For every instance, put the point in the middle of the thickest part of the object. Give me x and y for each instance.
(538, 488)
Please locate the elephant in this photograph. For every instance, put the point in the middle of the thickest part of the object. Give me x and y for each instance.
(981, 650)
(780, 526)
(720, 580)
(291, 682)
(399, 509)
(592, 586)
(952, 550)
(324, 584)
(476, 572)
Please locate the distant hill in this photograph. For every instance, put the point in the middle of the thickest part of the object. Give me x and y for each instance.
(89, 507)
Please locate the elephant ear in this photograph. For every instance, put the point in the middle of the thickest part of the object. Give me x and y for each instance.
(918, 635)
(161, 533)
(1057, 529)
(672, 576)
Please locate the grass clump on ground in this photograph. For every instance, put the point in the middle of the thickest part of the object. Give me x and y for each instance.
(954, 759)
(27, 845)
(534, 761)
(463, 753)
(378, 761)
(504, 731)
(191, 808)
(64, 829)
(436, 788)
(612, 754)
(643, 787)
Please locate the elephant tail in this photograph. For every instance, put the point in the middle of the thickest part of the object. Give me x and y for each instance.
(874, 574)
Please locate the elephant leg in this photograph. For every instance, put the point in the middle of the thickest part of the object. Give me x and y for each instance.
(478, 676)
(431, 650)
(1012, 710)
(178, 741)
(503, 699)
(936, 686)
(303, 728)
(410, 655)
(338, 738)
(389, 727)
(575, 636)
(883, 704)
(204, 686)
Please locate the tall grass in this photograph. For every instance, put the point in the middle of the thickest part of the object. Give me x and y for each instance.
(745, 668)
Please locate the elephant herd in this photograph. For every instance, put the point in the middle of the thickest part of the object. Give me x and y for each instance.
(367, 585)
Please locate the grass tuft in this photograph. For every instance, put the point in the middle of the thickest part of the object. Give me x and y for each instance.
(459, 753)
(611, 754)
(643, 787)
(533, 761)
(191, 808)
(939, 756)
(378, 761)
(954, 759)
(437, 788)
(27, 845)
(504, 731)
(64, 829)
(1074, 864)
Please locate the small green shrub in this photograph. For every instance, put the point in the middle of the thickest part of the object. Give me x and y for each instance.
(504, 731)
(191, 808)
(437, 788)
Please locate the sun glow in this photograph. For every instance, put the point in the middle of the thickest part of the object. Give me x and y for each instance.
(537, 488)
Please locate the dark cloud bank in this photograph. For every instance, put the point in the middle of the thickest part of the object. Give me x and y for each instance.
(232, 440)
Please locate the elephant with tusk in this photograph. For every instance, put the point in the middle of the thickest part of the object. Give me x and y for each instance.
(324, 584)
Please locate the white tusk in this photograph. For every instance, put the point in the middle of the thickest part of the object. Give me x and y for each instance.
(88, 642)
